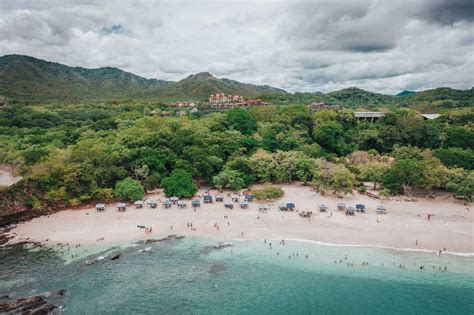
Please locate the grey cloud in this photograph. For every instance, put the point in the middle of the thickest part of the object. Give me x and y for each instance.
(378, 45)
(449, 11)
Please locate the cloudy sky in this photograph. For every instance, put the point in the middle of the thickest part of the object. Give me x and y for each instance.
(321, 45)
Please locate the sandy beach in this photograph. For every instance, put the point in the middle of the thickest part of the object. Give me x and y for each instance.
(405, 222)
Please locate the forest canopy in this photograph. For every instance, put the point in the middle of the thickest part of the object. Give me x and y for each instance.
(79, 153)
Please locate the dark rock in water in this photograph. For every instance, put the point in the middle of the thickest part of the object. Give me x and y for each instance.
(159, 240)
(30, 305)
(217, 268)
(115, 256)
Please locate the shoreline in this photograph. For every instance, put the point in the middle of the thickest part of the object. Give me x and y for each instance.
(450, 230)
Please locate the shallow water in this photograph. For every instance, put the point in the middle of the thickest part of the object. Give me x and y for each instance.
(190, 276)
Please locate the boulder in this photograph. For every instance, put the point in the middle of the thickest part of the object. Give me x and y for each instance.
(114, 256)
(30, 305)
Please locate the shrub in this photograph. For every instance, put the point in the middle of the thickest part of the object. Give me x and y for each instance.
(267, 192)
(129, 189)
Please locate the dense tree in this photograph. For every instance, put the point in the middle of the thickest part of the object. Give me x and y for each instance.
(456, 157)
(241, 120)
(179, 183)
(331, 137)
(129, 189)
(229, 179)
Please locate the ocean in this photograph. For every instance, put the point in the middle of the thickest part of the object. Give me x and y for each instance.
(190, 276)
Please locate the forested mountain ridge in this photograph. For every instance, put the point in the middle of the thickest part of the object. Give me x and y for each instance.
(26, 78)
(428, 100)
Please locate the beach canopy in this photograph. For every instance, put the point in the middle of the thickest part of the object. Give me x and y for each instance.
(195, 203)
(207, 197)
(167, 202)
(219, 197)
(282, 206)
(381, 209)
(121, 205)
(138, 203)
(360, 206)
(100, 206)
(181, 202)
(174, 198)
(249, 197)
(227, 202)
(263, 207)
(290, 205)
(323, 206)
(244, 204)
(151, 202)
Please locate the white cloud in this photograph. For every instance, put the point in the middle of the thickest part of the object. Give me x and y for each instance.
(384, 46)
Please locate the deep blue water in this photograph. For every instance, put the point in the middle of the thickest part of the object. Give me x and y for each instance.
(190, 276)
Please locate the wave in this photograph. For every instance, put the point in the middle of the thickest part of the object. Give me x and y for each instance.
(400, 249)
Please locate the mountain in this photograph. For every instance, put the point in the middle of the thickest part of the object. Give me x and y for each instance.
(203, 84)
(31, 79)
(28, 78)
(406, 93)
(356, 97)
(429, 100)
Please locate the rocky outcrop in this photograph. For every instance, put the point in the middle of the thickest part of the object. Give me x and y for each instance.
(30, 305)
(159, 240)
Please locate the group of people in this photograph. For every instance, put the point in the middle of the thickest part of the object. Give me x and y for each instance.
(148, 230)
(190, 225)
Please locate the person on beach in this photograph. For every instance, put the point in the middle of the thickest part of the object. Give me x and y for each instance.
(416, 242)
(171, 227)
(151, 229)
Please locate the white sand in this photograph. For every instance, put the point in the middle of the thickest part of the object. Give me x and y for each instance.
(404, 223)
(6, 176)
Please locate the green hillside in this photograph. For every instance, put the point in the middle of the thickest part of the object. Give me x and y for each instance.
(27, 78)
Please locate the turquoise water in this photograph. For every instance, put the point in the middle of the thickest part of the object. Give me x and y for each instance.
(190, 276)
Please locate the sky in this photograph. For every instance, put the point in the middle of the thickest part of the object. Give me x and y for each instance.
(322, 45)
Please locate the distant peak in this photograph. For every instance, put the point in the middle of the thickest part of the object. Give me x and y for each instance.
(201, 75)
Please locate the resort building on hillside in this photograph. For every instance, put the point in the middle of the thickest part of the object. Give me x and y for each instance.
(320, 106)
(222, 98)
(371, 117)
(184, 104)
(430, 116)
(233, 101)
(368, 116)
